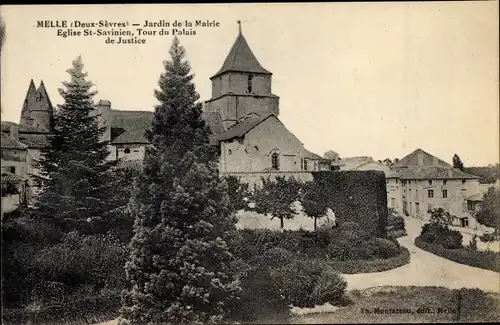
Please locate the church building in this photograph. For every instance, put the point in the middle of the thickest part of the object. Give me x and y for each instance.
(243, 115)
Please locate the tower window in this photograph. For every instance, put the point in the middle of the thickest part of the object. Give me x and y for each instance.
(250, 80)
(127, 150)
(275, 161)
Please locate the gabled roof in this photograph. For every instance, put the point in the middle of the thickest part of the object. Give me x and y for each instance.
(431, 172)
(241, 128)
(130, 126)
(13, 144)
(241, 59)
(412, 160)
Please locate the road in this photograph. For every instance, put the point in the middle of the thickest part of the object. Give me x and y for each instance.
(426, 269)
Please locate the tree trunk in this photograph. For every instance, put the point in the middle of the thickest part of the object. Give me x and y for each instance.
(282, 223)
(315, 223)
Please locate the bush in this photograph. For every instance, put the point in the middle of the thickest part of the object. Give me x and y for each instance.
(83, 310)
(439, 234)
(356, 196)
(395, 222)
(370, 266)
(486, 260)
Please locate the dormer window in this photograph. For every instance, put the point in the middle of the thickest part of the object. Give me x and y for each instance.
(250, 80)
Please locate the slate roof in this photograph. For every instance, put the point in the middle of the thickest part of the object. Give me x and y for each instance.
(241, 59)
(431, 172)
(412, 160)
(13, 144)
(34, 141)
(130, 126)
(241, 128)
(6, 125)
(30, 100)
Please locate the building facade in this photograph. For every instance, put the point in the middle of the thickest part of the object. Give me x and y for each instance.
(421, 182)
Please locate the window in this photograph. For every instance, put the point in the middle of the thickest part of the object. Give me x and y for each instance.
(12, 169)
(136, 150)
(417, 208)
(445, 194)
(275, 161)
(444, 182)
(127, 150)
(463, 181)
(409, 182)
(250, 79)
(430, 193)
(430, 182)
(396, 180)
(229, 151)
(305, 164)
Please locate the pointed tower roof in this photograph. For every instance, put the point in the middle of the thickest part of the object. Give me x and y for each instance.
(241, 58)
(43, 100)
(29, 101)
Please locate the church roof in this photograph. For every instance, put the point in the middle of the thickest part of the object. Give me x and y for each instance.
(241, 59)
(427, 160)
(241, 128)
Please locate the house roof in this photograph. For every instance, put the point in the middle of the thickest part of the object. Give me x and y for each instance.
(311, 155)
(242, 127)
(13, 144)
(6, 126)
(12, 178)
(130, 164)
(374, 166)
(351, 163)
(130, 126)
(413, 160)
(34, 141)
(431, 172)
(241, 59)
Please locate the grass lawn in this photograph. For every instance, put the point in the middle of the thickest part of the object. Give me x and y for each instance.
(410, 305)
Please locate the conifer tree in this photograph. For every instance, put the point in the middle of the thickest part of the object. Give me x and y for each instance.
(180, 267)
(76, 180)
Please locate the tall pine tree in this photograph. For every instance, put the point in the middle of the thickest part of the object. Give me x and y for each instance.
(180, 267)
(457, 162)
(76, 180)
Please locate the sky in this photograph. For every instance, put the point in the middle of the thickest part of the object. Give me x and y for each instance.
(362, 79)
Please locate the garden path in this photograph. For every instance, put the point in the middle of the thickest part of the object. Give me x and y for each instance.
(426, 269)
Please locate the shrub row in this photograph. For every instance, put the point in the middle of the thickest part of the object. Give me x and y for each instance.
(86, 310)
(371, 266)
(483, 259)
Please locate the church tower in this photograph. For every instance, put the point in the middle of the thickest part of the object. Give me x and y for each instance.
(241, 87)
(29, 103)
(37, 109)
(43, 113)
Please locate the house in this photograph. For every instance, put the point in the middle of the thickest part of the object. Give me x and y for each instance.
(15, 166)
(420, 182)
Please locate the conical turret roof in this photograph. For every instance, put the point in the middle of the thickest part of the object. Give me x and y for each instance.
(241, 59)
(29, 101)
(43, 100)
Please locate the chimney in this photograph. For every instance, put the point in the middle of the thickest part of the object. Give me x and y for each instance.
(420, 158)
(14, 132)
(104, 118)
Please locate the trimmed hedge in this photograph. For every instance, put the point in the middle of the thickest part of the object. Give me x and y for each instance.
(483, 259)
(356, 196)
(371, 266)
(84, 310)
